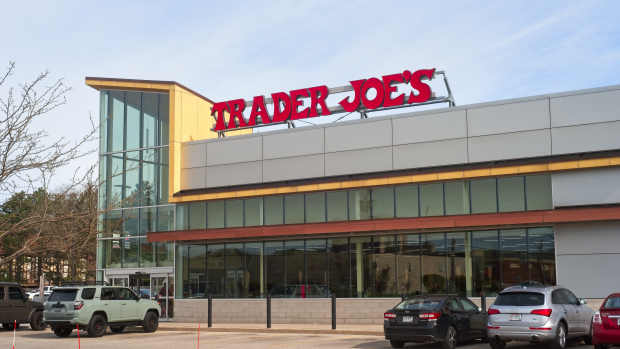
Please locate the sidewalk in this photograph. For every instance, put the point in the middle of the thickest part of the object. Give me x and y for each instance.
(366, 330)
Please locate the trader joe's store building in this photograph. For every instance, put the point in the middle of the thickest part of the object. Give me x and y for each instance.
(465, 199)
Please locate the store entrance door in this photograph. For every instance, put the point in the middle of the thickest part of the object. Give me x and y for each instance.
(162, 290)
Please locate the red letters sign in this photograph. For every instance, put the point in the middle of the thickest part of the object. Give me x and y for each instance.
(286, 105)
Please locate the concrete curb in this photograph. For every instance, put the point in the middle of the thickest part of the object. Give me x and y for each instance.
(273, 330)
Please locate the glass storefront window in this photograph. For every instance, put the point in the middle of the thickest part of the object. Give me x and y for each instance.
(294, 209)
(383, 202)
(148, 220)
(133, 120)
(541, 255)
(513, 247)
(253, 212)
(215, 214)
(316, 265)
(149, 110)
(407, 200)
(433, 262)
(115, 140)
(162, 192)
(361, 255)
(197, 219)
(115, 177)
(165, 218)
(149, 179)
(483, 195)
(130, 222)
(234, 213)
(485, 262)
(132, 179)
(112, 253)
(431, 199)
(408, 264)
(216, 270)
(147, 254)
(164, 254)
(274, 268)
(195, 285)
(339, 266)
(235, 277)
(538, 192)
(457, 197)
(163, 118)
(254, 269)
(103, 122)
(359, 204)
(383, 267)
(459, 262)
(315, 207)
(182, 217)
(130, 252)
(274, 210)
(337, 206)
(294, 252)
(511, 194)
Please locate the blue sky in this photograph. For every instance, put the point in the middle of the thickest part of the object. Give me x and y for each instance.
(225, 50)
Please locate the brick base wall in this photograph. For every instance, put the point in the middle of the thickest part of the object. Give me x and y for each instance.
(295, 310)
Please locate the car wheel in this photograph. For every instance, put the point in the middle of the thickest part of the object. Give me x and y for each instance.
(449, 341)
(151, 321)
(117, 329)
(559, 342)
(497, 343)
(62, 331)
(97, 326)
(36, 321)
(397, 344)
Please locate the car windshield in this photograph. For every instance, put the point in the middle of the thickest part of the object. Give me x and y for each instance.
(63, 296)
(523, 299)
(612, 303)
(419, 304)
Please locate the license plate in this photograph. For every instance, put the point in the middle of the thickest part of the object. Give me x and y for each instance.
(407, 318)
(515, 317)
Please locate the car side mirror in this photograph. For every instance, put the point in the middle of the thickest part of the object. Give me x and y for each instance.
(582, 301)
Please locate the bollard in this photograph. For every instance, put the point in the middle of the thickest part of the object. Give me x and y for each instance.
(333, 311)
(268, 311)
(483, 302)
(210, 312)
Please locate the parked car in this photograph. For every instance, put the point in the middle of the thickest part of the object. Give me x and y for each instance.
(434, 318)
(94, 308)
(549, 314)
(606, 323)
(15, 308)
(47, 291)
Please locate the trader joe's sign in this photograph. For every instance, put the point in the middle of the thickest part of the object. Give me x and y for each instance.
(289, 105)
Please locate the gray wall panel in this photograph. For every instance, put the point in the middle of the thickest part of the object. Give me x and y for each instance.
(193, 178)
(310, 166)
(234, 174)
(585, 108)
(234, 150)
(359, 135)
(602, 237)
(585, 138)
(358, 161)
(589, 276)
(293, 143)
(510, 146)
(511, 117)
(585, 247)
(193, 155)
(432, 127)
(453, 151)
(586, 187)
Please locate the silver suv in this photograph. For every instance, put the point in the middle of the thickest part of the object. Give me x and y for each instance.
(538, 314)
(94, 308)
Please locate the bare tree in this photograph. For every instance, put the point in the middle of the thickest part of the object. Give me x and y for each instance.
(30, 157)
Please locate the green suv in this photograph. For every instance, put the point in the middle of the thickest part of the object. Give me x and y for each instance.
(15, 308)
(94, 308)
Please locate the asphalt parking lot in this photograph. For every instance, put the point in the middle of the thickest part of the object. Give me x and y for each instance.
(27, 339)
